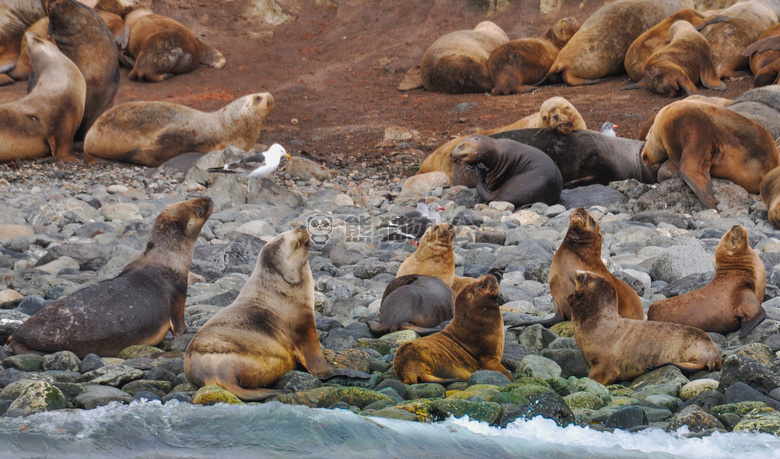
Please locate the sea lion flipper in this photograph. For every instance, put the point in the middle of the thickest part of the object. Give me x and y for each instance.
(348, 372)
(638, 85)
(412, 80)
(253, 395)
(422, 331)
(378, 328)
(713, 20)
(122, 38)
(211, 56)
(708, 75)
(748, 323)
(126, 59)
(765, 44)
(5, 79)
(698, 178)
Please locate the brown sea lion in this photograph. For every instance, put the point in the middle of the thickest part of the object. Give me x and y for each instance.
(474, 340)
(598, 49)
(414, 302)
(15, 17)
(139, 306)
(728, 39)
(680, 65)
(618, 348)
(764, 55)
(704, 140)
(510, 171)
(658, 36)
(434, 257)
(44, 121)
(770, 194)
(723, 102)
(457, 63)
(161, 47)
(83, 36)
(581, 251)
(731, 301)
(268, 330)
(519, 65)
(150, 133)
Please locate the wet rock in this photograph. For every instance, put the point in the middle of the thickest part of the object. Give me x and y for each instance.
(425, 390)
(765, 420)
(112, 375)
(627, 418)
(24, 362)
(39, 396)
(138, 352)
(741, 392)
(587, 400)
(298, 381)
(62, 361)
(181, 397)
(211, 395)
(159, 388)
(493, 378)
(737, 368)
(475, 410)
(539, 367)
(550, 406)
(592, 195)
(696, 419)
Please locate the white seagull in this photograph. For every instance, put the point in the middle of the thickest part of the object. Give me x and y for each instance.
(256, 166)
(608, 129)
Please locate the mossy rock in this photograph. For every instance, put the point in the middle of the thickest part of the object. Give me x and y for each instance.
(389, 343)
(616, 390)
(24, 362)
(593, 387)
(324, 397)
(476, 411)
(563, 329)
(699, 386)
(420, 408)
(761, 353)
(187, 388)
(425, 390)
(531, 391)
(526, 381)
(485, 391)
(160, 388)
(584, 400)
(583, 416)
(558, 384)
(509, 398)
(211, 395)
(394, 413)
(621, 400)
(764, 420)
(741, 408)
(40, 396)
(139, 351)
(356, 359)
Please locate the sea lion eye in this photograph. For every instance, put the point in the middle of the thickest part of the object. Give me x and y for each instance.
(257, 99)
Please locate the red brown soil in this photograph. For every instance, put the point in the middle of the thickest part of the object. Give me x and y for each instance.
(333, 72)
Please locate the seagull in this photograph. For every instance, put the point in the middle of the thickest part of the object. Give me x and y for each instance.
(608, 129)
(412, 225)
(256, 166)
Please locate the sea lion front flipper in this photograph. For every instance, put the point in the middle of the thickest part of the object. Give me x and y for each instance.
(697, 176)
(765, 44)
(667, 170)
(122, 38)
(495, 365)
(547, 323)
(426, 378)
(713, 20)
(378, 328)
(211, 56)
(687, 86)
(638, 85)
(749, 304)
(422, 331)
(708, 75)
(412, 80)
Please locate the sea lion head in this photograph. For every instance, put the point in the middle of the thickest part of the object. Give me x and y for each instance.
(734, 242)
(558, 114)
(485, 287)
(773, 215)
(583, 227)
(66, 16)
(175, 232)
(563, 30)
(287, 256)
(38, 48)
(471, 150)
(664, 77)
(439, 234)
(652, 150)
(260, 102)
(591, 291)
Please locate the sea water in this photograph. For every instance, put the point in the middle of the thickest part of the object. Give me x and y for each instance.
(276, 430)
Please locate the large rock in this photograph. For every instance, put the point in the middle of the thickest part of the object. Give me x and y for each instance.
(627, 418)
(674, 195)
(94, 396)
(304, 169)
(696, 419)
(592, 195)
(40, 396)
(424, 184)
(738, 368)
(682, 260)
(549, 405)
(61, 361)
(9, 231)
(211, 395)
(112, 375)
(539, 367)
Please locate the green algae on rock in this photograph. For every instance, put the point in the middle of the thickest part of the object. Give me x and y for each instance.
(211, 395)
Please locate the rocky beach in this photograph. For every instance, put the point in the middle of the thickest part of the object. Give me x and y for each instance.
(63, 228)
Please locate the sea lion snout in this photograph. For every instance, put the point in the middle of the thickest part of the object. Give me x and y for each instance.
(489, 285)
(465, 151)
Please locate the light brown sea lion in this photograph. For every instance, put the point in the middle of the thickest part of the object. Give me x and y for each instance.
(434, 257)
(731, 301)
(161, 47)
(618, 348)
(723, 102)
(414, 302)
(139, 306)
(658, 37)
(581, 251)
(474, 340)
(268, 330)
(519, 65)
(728, 39)
(770, 194)
(764, 55)
(457, 63)
(703, 140)
(150, 133)
(681, 64)
(15, 17)
(44, 121)
(555, 113)
(599, 48)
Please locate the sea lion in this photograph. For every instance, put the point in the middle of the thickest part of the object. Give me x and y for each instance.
(268, 330)
(679, 65)
(588, 157)
(474, 340)
(731, 301)
(555, 113)
(581, 251)
(510, 171)
(83, 36)
(414, 302)
(139, 306)
(722, 101)
(728, 39)
(15, 17)
(519, 65)
(457, 63)
(764, 57)
(762, 105)
(618, 348)
(150, 133)
(705, 140)
(434, 257)
(45, 120)
(598, 49)
(657, 37)
(770, 194)
(161, 47)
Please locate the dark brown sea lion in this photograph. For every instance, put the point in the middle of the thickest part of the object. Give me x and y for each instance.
(510, 171)
(704, 140)
(618, 348)
(268, 330)
(731, 301)
(457, 63)
(414, 302)
(581, 251)
(770, 194)
(519, 65)
(139, 306)
(474, 340)
(434, 257)
(599, 48)
(764, 55)
(44, 121)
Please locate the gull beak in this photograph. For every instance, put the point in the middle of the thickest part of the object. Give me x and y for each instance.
(287, 155)
(615, 126)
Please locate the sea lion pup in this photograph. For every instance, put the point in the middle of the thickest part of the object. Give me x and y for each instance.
(658, 36)
(83, 36)
(618, 348)
(599, 48)
(434, 257)
(161, 47)
(716, 142)
(474, 340)
(728, 39)
(731, 301)
(150, 133)
(139, 306)
(678, 66)
(510, 171)
(556, 114)
(581, 250)
(764, 57)
(45, 120)
(770, 194)
(414, 302)
(457, 63)
(519, 65)
(268, 330)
